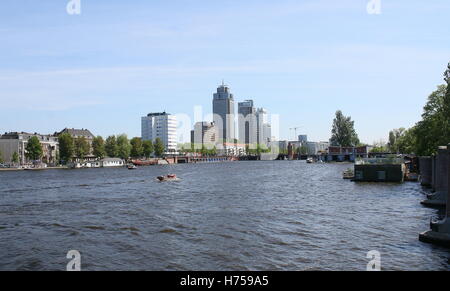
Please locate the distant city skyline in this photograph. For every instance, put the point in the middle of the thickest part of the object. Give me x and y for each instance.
(117, 61)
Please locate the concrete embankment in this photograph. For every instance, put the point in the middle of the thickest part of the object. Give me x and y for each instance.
(439, 233)
(439, 198)
(425, 170)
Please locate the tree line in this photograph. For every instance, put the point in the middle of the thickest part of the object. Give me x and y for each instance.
(204, 150)
(114, 147)
(424, 138)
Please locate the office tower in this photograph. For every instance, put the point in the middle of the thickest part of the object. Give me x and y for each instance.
(163, 126)
(204, 135)
(247, 123)
(267, 134)
(263, 134)
(303, 138)
(223, 110)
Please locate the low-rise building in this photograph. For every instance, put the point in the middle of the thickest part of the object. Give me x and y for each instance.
(78, 133)
(315, 148)
(337, 153)
(231, 149)
(279, 146)
(16, 142)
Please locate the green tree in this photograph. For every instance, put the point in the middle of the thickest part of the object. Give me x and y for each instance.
(34, 149)
(343, 132)
(379, 147)
(147, 148)
(204, 151)
(98, 147)
(434, 128)
(123, 147)
(158, 147)
(15, 157)
(447, 100)
(111, 146)
(302, 150)
(66, 147)
(82, 147)
(137, 148)
(394, 137)
(406, 143)
(258, 149)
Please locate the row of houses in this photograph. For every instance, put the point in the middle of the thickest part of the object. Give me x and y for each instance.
(16, 142)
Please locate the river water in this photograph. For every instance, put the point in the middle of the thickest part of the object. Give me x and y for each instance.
(280, 215)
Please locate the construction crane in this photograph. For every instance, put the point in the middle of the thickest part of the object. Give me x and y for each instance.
(295, 130)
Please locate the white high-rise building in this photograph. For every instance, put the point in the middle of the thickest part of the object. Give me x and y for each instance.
(264, 129)
(163, 126)
(267, 134)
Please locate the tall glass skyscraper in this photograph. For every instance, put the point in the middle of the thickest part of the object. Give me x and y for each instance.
(223, 110)
(247, 122)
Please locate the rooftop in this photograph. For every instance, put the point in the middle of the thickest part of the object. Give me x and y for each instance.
(76, 132)
(21, 135)
(157, 114)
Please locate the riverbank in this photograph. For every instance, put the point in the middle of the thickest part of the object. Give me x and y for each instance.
(32, 169)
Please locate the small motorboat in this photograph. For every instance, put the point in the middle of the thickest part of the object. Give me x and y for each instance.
(309, 160)
(167, 178)
(348, 174)
(131, 167)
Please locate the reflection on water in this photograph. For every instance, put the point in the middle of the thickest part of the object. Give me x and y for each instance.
(277, 215)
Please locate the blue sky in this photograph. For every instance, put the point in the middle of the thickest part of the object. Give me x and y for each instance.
(302, 59)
